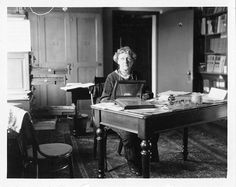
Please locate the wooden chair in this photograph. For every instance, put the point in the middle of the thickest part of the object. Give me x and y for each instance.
(95, 93)
(42, 158)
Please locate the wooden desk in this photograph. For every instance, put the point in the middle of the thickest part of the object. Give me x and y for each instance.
(144, 125)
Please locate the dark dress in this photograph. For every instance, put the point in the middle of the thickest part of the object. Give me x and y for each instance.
(130, 140)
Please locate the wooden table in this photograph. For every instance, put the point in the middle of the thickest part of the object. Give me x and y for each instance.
(144, 125)
(79, 91)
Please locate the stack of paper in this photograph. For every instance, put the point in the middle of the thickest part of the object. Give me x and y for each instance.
(215, 95)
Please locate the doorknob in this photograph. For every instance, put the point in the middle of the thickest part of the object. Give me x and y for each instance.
(189, 73)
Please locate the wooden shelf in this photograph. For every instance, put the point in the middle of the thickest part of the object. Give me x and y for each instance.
(213, 53)
(214, 14)
(212, 73)
(214, 48)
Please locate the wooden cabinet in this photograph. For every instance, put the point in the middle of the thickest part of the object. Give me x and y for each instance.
(18, 58)
(213, 69)
(18, 79)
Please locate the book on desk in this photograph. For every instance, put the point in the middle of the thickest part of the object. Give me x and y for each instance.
(133, 103)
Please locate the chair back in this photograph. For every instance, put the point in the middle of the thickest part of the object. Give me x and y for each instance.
(97, 90)
(27, 138)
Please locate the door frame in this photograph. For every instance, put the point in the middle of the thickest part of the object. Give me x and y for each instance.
(154, 37)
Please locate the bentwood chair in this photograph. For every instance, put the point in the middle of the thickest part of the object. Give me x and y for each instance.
(44, 158)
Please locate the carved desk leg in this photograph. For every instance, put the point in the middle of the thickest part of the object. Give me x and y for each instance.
(145, 146)
(101, 149)
(185, 144)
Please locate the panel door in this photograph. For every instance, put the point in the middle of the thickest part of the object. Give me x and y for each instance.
(86, 58)
(175, 55)
(69, 41)
(86, 47)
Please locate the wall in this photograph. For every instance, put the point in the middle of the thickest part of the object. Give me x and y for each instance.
(107, 41)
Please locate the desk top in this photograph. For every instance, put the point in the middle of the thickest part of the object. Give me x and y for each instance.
(159, 109)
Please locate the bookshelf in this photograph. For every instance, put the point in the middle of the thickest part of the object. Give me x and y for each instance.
(213, 68)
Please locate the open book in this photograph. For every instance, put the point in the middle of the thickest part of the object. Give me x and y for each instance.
(133, 103)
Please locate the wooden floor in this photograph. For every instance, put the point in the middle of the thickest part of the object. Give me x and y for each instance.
(207, 153)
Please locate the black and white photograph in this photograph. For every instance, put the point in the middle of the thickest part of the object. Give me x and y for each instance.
(118, 93)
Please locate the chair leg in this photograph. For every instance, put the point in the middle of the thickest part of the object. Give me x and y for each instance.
(120, 147)
(71, 167)
(155, 152)
(95, 146)
(105, 152)
(37, 170)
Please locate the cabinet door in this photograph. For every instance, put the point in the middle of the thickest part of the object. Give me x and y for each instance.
(18, 76)
(175, 55)
(66, 40)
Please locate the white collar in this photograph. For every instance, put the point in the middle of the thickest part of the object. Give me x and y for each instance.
(124, 77)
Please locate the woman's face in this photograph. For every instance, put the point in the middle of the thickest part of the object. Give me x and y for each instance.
(125, 61)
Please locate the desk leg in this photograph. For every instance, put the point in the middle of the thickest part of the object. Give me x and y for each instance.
(101, 151)
(75, 120)
(185, 144)
(145, 146)
(74, 125)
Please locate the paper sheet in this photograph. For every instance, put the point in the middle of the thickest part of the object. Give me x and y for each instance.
(71, 86)
(109, 106)
(215, 95)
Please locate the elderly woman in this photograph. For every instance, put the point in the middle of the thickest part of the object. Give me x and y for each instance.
(125, 59)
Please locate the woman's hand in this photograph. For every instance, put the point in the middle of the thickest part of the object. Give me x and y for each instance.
(147, 95)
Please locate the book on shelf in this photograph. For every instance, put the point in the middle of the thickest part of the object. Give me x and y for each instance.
(218, 10)
(219, 64)
(218, 45)
(222, 23)
(216, 25)
(208, 11)
(213, 10)
(210, 63)
(203, 26)
(216, 63)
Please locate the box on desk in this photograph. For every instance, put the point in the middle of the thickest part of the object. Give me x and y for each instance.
(128, 94)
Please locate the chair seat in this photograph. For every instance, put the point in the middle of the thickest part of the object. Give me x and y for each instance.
(52, 149)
